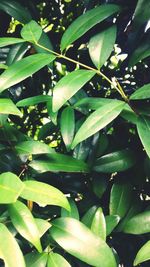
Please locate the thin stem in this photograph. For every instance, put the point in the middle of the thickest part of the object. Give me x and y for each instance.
(117, 87)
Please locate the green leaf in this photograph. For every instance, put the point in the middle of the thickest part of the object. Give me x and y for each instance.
(5, 41)
(139, 224)
(16, 53)
(44, 41)
(141, 93)
(34, 100)
(98, 225)
(25, 224)
(142, 52)
(143, 254)
(33, 147)
(67, 126)
(120, 199)
(3, 66)
(10, 249)
(36, 259)
(143, 127)
(55, 260)
(15, 10)
(44, 194)
(111, 223)
(88, 216)
(10, 187)
(115, 162)
(8, 107)
(99, 185)
(92, 103)
(53, 115)
(31, 32)
(141, 13)
(59, 162)
(78, 240)
(68, 86)
(22, 69)
(81, 25)
(73, 213)
(42, 226)
(101, 46)
(128, 114)
(98, 120)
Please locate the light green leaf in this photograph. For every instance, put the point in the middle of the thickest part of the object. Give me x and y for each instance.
(139, 224)
(22, 69)
(143, 254)
(8, 107)
(10, 187)
(5, 41)
(58, 162)
(98, 225)
(31, 32)
(9, 249)
(53, 115)
(88, 216)
(67, 126)
(42, 226)
(141, 93)
(55, 260)
(15, 10)
(98, 120)
(143, 127)
(120, 199)
(68, 86)
(81, 25)
(78, 240)
(33, 147)
(111, 223)
(3, 66)
(115, 162)
(73, 213)
(25, 224)
(44, 194)
(35, 259)
(101, 46)
(34, 100)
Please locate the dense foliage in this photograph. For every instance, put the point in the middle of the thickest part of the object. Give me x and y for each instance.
(74, 133)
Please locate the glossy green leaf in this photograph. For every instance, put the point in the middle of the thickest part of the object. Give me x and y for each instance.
(35, 259)
(44, 194)
(128, 114)
(97, 121)
(34, 100)
(42, 226)
(73, 213)
(31, 32)
(101, 46)
(120, 199)
(139, 224)
(68, 86)
(15, 10)
(141, 93)
(143, 127)
(91, 103)
(142, 52)
(81, 25)
(67, 126)
(111, 223)
(141, 13)
(9, 249)
(54, 260)
(143, 254)
(78, 240)
(5, 41)
(33, 147)
(10, 187)
(115, 162)
(3, 66)
(16, 53)
(88, 216)
(99, 185)
(98, 225)
(22, 69)
(58, 162)
(25, 224)
(8, 107)
(53, 115)
(44, 41)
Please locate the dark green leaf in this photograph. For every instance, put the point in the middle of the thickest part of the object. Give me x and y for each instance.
(88, 216)
(44, 194)
(141, 93)
(101, 46)
(99, 185)
(22, 69)
(115, 162)
(67, 126)
(143, 127)
(81, 25)
(31, 32)
(143, 254)
(5, 41)
(16, 53)
(78, 240)
(10, 187)
(111, 223)
(25, 224)
(68, 86)
(10, 251)
(92, 103)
